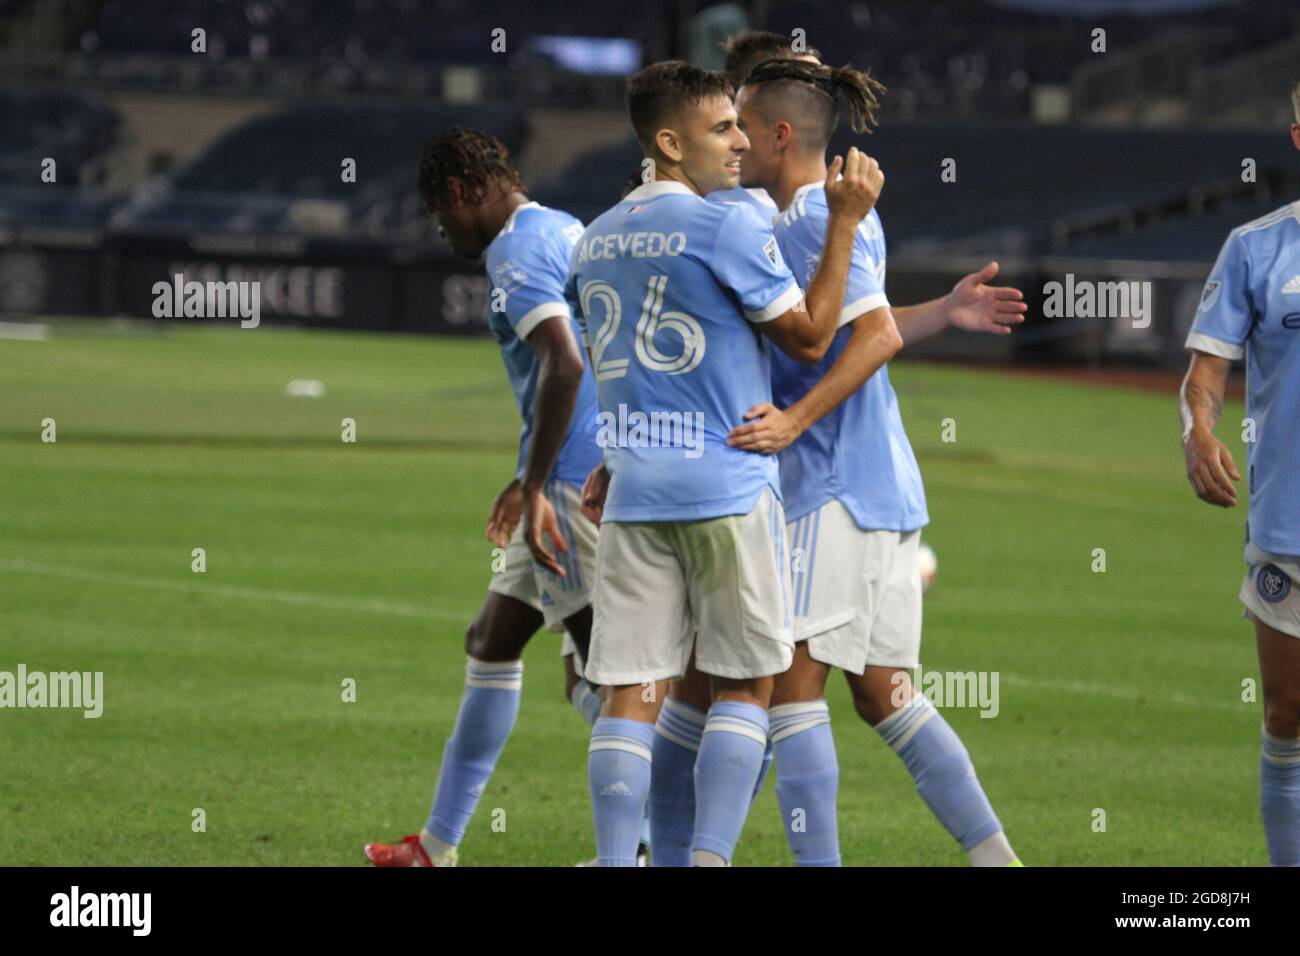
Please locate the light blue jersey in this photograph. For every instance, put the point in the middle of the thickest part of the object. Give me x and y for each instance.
(1251, 306)
(526, 266)
(667, 287)
(858, 453)
(758, 198)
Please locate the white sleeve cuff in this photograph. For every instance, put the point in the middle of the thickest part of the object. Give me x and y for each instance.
(1205, 343)
(782, 304)
(524, 327)
(868, 303)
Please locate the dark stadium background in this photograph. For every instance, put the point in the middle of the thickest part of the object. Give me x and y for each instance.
(226, 164)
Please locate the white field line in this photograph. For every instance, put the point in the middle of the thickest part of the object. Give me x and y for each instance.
(1126, 693)
(239, 592)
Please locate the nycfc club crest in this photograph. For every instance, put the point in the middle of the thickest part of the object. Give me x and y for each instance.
(1272, 583)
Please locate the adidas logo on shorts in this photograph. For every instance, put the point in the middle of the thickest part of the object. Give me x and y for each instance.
(618, 788)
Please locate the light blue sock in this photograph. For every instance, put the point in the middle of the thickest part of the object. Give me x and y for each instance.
(486, 717)
(807, 780)
(938, 762)
(726, 769)
(672, 785)
(1279, 798)
(618, 769)
(585, 698)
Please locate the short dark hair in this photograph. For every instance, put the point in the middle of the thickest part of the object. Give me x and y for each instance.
(808, 96)
(658, 92)
(477, 159)
(746, 50)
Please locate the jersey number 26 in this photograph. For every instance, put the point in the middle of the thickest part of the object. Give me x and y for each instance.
(652, 319)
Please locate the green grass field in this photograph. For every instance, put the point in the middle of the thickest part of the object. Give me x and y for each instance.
(326, 561)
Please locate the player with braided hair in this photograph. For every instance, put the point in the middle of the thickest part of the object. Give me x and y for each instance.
(854, 500)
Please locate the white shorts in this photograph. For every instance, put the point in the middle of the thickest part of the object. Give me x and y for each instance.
(1269, 590)
(525, 580)
(719, 586)
(857, 594)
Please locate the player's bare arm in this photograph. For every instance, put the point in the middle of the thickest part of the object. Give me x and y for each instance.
(805, 332)
(972, 305)
(594, 490)
(559, 375)
(1210, 468)
(874, 341)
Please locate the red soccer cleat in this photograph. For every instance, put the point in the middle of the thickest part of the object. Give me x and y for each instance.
(407, 853)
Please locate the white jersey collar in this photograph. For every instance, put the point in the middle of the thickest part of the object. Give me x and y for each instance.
(510, 220)
(804, 190)
(660, 187)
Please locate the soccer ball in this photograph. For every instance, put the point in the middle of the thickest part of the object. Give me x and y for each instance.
(927, 562)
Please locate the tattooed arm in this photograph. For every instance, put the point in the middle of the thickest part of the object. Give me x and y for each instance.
(1210, 468)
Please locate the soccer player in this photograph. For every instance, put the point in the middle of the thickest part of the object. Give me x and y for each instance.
(677, 297)
(852, 487)
(681, 719)
(483, 210)
(1251, 308)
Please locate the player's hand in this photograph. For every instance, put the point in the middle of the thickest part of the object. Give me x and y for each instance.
(539, 520)
(594, 490)
(1210, 469)
(505, 514)
(857, 192)
(773, 431)
(977, 307)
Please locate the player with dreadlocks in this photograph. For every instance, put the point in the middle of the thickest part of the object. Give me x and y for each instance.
(483, 210)
(854, 500)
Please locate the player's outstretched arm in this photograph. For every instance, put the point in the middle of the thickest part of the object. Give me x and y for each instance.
(875, 340)
(1210, 468)
(805, 332)
(972, 305)
(559, 375)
